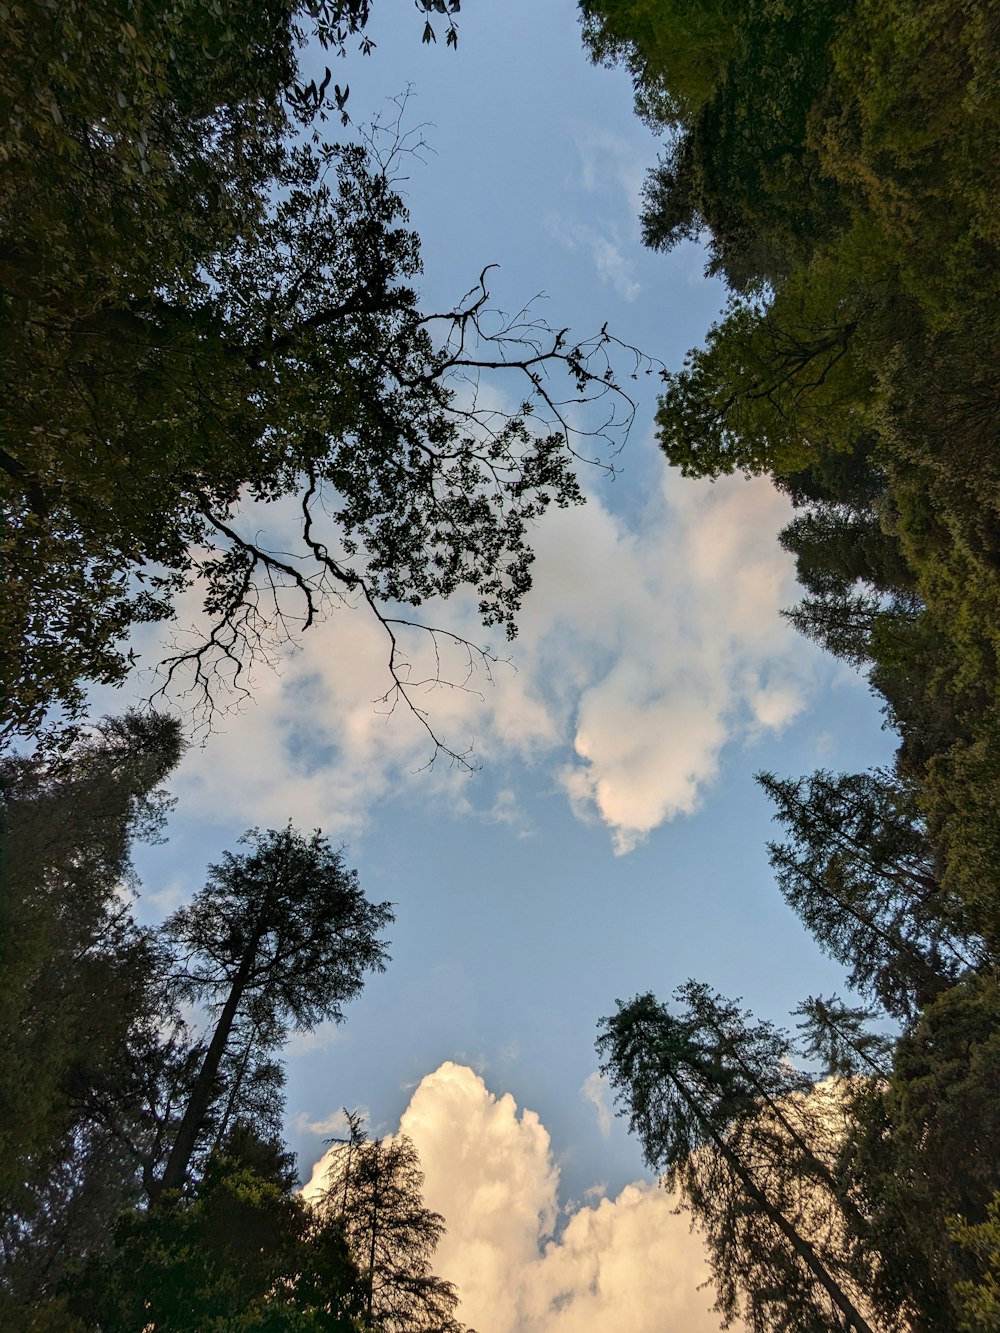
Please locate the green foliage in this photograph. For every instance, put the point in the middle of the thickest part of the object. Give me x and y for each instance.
(207, 309)
(291, 918)
(241, 1252)
(677, 53)
(925, 1148)
(840, 161)
(860, 873)
(980, 1299)
(909, 126)
(108, 1103)
(770, 388)
(841, 1037)
(751, 1147)
(735, 84)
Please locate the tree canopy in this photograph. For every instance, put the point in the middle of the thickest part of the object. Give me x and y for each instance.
(141, 1166)
(374, 1189)
(838, 162)
(218, 373)
(78, 1007)
(751, 1147)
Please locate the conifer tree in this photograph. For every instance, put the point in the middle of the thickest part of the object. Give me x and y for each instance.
(751, 1148)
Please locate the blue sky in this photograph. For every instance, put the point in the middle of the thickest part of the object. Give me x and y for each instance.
(613, 839)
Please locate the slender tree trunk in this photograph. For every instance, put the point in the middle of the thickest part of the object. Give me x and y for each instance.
(876, 1068)
(927, 981)
(200, 1098)
(817, 1168)
(802, 1248)
(371, 1248)
(235, 1088)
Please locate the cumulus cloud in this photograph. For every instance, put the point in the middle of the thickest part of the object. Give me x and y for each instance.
(628, 1263)
(703, 658)
(645, 648)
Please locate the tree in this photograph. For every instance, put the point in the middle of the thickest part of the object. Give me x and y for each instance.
(211, 335)
(786, 378)
(374, 1189)
(859, 584)
(980, 1298)
(826, 158)
(750, 1145)
(78, 997)
(926, 1150)
(837, 162)
(242, 1252)
(734, 85)
(279, 939)
(860, 873)
(841, 1036)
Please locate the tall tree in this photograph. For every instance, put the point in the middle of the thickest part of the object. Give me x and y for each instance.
(826, 153)
(980, 1297)
(279, 939)
(374, 1188)
(842, 1037)
(838, 159)
(734, 85)
(927, 1147)
(750, 1146)
(78, 996)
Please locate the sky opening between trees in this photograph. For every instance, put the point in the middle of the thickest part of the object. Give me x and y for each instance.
(498, 488)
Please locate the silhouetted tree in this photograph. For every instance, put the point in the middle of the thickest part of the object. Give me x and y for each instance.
(749, 1145)
(375, 1187)
(242, 1251)
(79, 999)
(860, 873)
(279, 939)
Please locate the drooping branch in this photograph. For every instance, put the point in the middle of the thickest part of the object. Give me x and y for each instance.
(428, 490)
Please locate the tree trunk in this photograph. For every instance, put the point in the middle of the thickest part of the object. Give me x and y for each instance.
(855, 1320)
(200, 1098)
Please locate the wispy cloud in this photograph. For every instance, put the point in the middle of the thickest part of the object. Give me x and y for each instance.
(335, 1126)
(607, 160)
(599, 208)
(595, 1090)
(607, 249)
(319, 1038)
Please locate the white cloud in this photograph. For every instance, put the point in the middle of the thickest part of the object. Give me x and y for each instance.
(310, 1040)
(686, 647)
(644, 650)
(335, 1126)
(595, 1091)
(629, 1263)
